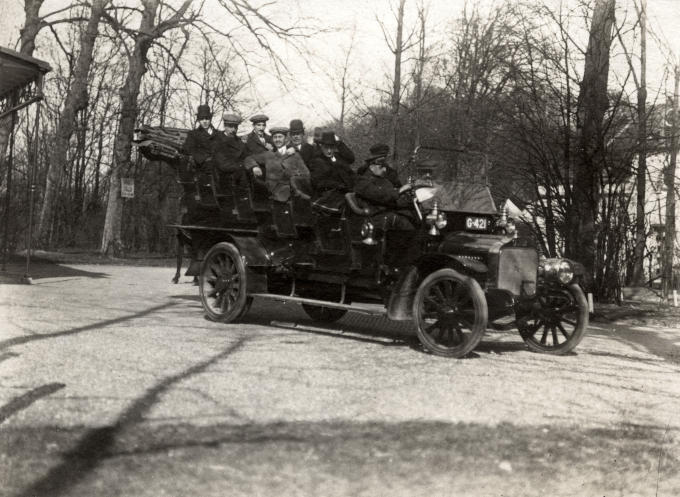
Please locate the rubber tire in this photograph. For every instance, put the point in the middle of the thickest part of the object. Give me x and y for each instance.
(323, 314)
(235, 272)
(576, 335)
(477, 326)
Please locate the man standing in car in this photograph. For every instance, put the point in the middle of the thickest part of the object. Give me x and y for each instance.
(200, 142)
(258, 140)
(297, 141)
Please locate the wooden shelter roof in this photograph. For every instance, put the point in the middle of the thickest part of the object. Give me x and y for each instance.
(17, 70)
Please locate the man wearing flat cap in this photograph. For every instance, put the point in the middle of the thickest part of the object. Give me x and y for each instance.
(230, 150)
(331, 175)
(379, 153)
(258, 140)
(298, 142)
(276, 167)
(200, 142)
(229, 154)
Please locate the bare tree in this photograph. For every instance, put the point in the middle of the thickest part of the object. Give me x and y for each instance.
(76, 100)
(151, 27)
(592, 105)
(398, 46)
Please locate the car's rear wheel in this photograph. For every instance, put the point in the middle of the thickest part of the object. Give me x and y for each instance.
(323, 314)
(450, 313)
(222, 283)
(556, 322)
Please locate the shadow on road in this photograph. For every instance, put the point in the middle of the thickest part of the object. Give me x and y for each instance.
(41, 269)
(73, 331)
(97, 444)
(28, 398)
(297, 457)
(648, 340)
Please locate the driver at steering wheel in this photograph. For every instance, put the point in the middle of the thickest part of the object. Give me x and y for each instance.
(389, 203)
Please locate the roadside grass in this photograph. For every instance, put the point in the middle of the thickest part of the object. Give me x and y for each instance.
(343, 458)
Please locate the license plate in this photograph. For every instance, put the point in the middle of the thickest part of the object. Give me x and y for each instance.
(476, 223)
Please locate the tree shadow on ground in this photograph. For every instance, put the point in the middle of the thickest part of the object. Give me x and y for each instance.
(98, 443)
(20, 340)
(293, 453)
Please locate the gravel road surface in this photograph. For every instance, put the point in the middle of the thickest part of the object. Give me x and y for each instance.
(112, 382)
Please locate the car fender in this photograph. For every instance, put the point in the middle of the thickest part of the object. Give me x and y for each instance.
(400, 303)
(255, 257)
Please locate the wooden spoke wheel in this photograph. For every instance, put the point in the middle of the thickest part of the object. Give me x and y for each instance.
(323, 314)
(222, 284)
(557, 320)
(450, 313)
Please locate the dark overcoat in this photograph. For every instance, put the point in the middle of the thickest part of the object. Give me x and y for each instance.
(331, 179)
(255, 146)
(306, 151)
(200, 144)
(229, 153)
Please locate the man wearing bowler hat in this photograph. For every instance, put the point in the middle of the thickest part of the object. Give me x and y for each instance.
(379, 153)
(258, 140)
(200, 142)
(331, 175)
(297, 141)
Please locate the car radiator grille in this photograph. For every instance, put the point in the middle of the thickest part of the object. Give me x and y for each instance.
(517, 267)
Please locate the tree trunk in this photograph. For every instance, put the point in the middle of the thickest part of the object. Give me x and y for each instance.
(640, 225)
(593, 104)
(669, 181)
(396, 85)
(122, 151)
(76, 100)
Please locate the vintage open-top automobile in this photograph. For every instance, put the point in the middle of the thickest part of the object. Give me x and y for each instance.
(463, 268)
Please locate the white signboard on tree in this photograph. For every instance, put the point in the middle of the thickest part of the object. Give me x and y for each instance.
(127, 187)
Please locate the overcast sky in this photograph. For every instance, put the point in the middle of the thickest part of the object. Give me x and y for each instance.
(309, 92)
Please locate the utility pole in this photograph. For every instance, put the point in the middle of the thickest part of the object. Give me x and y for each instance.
(669, 181)
(641, 186)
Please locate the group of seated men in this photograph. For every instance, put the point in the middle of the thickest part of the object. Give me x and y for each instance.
(282, 153)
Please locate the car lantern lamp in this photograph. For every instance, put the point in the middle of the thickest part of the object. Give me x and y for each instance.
(367, 232)
(435, 219)
(560, 270)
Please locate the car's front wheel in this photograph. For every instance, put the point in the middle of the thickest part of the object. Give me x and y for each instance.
(556, 321)
(450, 313)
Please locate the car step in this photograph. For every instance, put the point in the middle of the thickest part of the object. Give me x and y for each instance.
(373, 309)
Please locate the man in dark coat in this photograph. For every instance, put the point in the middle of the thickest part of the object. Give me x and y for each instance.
(391, 208)
(230, 150)
(258, 140)
(379, 152)
(297, 141)
(200, 142)
(331, 175)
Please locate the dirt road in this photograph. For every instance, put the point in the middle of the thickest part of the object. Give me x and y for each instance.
(113, 383)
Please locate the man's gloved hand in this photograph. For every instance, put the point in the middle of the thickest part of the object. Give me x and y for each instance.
(257, 172)
(405, 188)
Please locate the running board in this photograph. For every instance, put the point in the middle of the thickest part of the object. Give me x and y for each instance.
(378, 311)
